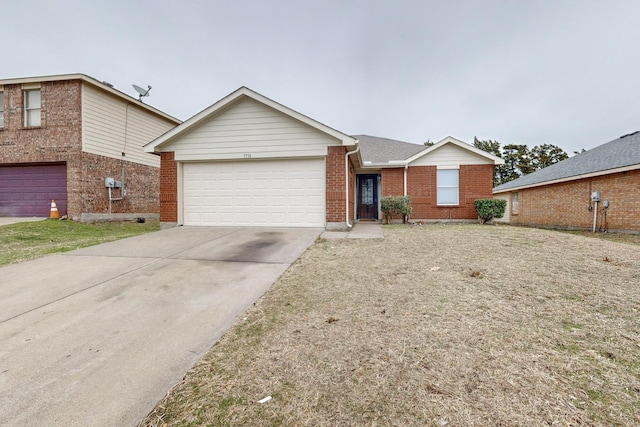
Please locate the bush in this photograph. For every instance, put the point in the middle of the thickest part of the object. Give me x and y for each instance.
(488, 209)
(395, 205)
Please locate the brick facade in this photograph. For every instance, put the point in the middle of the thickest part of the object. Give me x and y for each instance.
(168, 187)
(475, 182)
(567, 205)
(392, 182)
(335, 187)
(59, 140)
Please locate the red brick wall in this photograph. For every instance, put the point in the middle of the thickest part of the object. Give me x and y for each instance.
(168, 187)
(566, 205)
(141, 185)
(59, 139)
(336, 196)
(392, 181)
(476, 182)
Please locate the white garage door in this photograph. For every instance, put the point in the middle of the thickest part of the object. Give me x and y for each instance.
(280, 193)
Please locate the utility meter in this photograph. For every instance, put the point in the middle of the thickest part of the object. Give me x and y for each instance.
(595, 196)
(109, 182)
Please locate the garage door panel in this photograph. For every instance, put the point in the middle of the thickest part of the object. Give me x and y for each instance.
(27, 190)
(255, 193)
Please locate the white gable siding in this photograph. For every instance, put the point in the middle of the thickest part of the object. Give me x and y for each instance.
(450, 155)
(105, 120)
(249, 129)
(507, 211)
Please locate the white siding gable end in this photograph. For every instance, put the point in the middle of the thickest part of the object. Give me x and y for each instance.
(249, 129)
(451, 153)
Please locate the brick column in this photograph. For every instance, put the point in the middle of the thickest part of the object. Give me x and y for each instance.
(168, 187)
(336, 196)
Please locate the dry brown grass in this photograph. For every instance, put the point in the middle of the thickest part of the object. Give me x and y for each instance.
(436, 325)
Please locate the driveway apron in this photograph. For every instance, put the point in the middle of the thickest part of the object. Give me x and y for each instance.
(97, 336)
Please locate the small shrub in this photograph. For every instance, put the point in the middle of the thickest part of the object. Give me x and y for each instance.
(488, 209)
(395, 205)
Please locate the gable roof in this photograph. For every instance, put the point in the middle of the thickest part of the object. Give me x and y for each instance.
(618, 155)
(231, 99)
(390, 152)
(377, 150)
(451, 140)
(105, 86)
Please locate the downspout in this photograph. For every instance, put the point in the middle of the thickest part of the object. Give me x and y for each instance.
(405, 179)
(346, 183)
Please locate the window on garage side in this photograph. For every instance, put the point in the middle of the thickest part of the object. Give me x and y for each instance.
(514, 202)
(1, 109)
(448, 186)
(32, 106)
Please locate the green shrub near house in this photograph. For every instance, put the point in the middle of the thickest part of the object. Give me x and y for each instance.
(488, 209)
(392, 206)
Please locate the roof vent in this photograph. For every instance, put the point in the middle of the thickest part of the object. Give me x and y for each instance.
(629, 134)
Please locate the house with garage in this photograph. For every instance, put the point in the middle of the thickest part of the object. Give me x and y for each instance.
(78, 141)
(249, 161)
(598, 189)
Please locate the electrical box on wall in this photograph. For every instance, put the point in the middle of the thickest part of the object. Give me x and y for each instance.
(112, 183)
(595, 196)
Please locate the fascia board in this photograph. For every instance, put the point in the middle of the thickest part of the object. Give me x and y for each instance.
(383, 165)
(569, 178)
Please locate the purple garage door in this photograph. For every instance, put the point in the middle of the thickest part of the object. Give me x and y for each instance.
(28, 190)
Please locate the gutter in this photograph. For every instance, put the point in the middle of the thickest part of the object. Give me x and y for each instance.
(346, 183)
(406, 167)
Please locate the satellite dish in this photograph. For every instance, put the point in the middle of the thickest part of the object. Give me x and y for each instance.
(142, 92)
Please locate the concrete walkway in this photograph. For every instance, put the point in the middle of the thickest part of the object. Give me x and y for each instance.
(362, 230)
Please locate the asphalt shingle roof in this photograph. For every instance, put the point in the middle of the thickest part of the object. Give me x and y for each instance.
(382, 150)
(619, 153)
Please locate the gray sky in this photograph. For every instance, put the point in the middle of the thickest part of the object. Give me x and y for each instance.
(563, 72)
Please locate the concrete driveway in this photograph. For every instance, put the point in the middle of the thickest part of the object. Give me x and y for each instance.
(97, 336)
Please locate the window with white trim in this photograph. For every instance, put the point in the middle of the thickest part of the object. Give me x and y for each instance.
(514, 202)
(32, 105)
(448, 186)
(1, 109)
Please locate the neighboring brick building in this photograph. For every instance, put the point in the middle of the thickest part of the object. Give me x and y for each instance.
(248, 160)
(563, 195)
(61, 136)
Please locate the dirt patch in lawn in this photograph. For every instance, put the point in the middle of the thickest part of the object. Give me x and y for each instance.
(435, 325)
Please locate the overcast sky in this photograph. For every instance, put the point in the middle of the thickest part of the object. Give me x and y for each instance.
(522, 72)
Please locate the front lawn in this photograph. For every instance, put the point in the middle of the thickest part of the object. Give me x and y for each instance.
(29, 240)
(454, 325)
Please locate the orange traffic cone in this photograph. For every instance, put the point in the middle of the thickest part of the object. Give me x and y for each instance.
(54, 210)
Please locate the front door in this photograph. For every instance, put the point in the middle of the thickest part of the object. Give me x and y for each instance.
(367, 196)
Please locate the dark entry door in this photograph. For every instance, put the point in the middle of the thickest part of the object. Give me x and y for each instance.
(367, 196)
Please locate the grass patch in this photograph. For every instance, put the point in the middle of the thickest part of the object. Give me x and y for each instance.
(29, 240)
(632, 239)
(402, 332)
